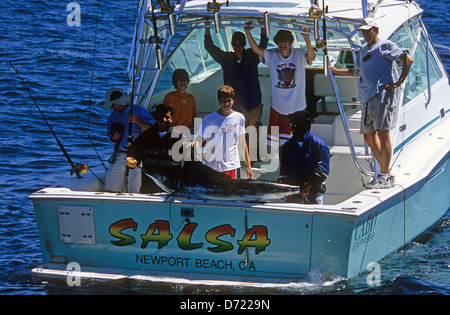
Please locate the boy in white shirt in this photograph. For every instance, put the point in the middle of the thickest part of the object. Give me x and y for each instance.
(224, 133)
(287, 73)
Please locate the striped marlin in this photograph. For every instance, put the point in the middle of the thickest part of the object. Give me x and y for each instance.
(197, 180)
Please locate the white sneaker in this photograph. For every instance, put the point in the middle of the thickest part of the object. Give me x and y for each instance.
(391, 180)
(380, 183)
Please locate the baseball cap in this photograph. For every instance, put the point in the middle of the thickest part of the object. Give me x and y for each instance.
(368, 23)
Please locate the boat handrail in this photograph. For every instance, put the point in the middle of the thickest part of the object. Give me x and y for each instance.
(346, 128)
(427, 38)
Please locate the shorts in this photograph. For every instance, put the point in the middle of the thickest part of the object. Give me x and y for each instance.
(284, 128)
(116, 179)
(253, 116)
(231, 173)
(378, 113)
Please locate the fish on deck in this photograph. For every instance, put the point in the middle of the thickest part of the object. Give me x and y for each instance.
(200, 181)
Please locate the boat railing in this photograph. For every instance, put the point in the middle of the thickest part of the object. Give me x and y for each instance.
(355, 157)
(139, 70)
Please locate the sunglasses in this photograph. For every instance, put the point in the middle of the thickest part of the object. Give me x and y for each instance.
(367, 57)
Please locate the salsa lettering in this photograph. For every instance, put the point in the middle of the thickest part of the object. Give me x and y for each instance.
(160, 234)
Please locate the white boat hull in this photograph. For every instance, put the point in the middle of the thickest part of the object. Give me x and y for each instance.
(159, 237)
(140, 234)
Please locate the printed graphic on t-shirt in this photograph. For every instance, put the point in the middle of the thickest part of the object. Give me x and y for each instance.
(228, 128)
(286, 76)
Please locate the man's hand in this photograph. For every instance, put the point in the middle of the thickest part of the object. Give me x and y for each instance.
(305, 32)
(115, 137)
(249, 172)
(304, 190)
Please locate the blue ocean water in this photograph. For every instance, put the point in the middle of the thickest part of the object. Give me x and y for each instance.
(57, 64)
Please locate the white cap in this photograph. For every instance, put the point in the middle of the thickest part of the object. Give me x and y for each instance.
(368, 23)
(116, 96)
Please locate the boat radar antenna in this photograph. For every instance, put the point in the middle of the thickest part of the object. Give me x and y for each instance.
(215, 7)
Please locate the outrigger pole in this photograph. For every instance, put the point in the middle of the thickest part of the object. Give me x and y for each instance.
(77, 168)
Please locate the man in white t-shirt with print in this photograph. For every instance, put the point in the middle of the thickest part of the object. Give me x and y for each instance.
(224, 133)
(287, 72)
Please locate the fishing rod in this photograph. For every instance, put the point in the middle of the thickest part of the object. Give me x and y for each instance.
(77, 168)
(133, 83)
(326, 57)
(90, 90)
(321, 39)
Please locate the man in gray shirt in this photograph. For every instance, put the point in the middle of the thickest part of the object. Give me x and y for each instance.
(374, 66)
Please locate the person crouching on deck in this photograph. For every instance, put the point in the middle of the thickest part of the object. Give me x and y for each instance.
(305, 160)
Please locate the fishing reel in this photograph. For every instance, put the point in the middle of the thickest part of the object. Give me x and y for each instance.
(79, 168)
(315, 11)
(215, 8)
(167, 7)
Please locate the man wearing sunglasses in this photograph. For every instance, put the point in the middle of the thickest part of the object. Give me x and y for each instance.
(374, 66)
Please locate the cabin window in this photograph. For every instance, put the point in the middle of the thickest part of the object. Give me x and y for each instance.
(190, 55)
(413, 40)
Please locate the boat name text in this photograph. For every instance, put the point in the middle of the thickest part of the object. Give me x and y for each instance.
(365, 230)
(159, 232)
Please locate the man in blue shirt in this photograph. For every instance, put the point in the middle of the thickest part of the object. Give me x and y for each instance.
(117, 179)
(305, 160)
(240, 71)
(374, 66)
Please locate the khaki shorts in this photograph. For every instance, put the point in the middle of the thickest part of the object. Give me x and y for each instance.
(378, 113)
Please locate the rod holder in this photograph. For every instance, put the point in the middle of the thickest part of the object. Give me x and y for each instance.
(316, 29)
(171, 24)
(216, 22)
(159, 56)
(267, 22)
(326, 70)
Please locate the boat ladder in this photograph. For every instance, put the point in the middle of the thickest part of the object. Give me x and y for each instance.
(368, 156)
(143, 67)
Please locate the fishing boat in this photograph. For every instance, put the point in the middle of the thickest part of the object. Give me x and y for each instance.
(162, 236)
